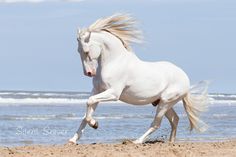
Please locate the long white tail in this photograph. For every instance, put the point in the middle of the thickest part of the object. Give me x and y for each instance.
(196, 102)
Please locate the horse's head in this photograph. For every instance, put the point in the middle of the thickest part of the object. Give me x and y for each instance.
(90, 51)
(123, 31)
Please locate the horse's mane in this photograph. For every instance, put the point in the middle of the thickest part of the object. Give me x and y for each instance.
(123, 26)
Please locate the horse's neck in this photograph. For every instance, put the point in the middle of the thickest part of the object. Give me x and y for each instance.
(114, 56)
(112, 50)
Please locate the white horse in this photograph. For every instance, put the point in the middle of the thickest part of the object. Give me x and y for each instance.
(118, 74)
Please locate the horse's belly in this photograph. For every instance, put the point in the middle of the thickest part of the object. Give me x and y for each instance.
(139, 98)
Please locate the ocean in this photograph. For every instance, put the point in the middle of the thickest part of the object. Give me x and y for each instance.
(28, 117)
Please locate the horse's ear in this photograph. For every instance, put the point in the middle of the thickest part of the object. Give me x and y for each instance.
(87, 37)
(78, 32)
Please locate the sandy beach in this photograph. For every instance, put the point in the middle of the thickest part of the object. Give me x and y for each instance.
(126, 149)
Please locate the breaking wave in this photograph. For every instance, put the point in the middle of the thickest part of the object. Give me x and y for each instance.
(28, 97)
(33, 97)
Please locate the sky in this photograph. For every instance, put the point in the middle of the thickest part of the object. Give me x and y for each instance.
(38, 47)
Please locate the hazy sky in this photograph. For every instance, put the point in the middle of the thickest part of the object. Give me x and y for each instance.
(38, 40)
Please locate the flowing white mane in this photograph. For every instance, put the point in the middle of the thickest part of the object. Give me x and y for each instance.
(123, 26)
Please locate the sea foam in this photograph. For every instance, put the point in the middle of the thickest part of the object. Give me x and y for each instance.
(34, 97)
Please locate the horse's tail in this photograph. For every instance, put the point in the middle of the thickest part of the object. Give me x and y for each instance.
(196, 102)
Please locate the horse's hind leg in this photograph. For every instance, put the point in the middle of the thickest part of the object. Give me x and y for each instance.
(161, 111)
(173, 119)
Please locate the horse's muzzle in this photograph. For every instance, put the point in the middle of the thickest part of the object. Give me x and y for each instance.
(90, 73)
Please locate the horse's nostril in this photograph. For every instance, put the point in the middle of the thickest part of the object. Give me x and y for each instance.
(89, 74)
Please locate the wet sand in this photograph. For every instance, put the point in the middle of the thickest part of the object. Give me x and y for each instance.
(126, 149)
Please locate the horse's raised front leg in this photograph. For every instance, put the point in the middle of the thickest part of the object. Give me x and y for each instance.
(161, 111)
(107, 95)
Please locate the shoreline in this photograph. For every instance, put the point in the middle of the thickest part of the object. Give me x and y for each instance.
(162, 149)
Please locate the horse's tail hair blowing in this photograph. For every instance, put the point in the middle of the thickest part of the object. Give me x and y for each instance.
(196, 102)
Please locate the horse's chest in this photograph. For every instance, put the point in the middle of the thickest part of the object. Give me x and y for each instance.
(100, 84)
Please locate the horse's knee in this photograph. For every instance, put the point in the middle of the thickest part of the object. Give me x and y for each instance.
(91, 101)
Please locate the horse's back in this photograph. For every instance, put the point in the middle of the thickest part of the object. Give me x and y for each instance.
(161, 71)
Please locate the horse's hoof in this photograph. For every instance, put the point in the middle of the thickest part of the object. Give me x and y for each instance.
(70, 142)
(95, 126)
(155, 103)
(137, 142)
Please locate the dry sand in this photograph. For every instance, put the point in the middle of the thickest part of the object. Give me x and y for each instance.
(158, 149)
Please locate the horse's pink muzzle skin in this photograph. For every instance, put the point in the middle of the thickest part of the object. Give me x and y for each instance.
(90, 73)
